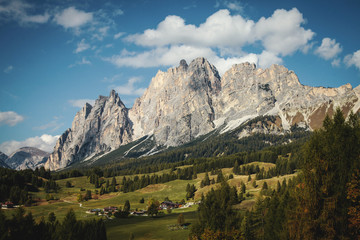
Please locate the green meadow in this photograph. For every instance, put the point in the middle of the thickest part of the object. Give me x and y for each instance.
(143, 227)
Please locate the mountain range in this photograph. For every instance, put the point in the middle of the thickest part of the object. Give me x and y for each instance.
(189, 101)
(24, 158)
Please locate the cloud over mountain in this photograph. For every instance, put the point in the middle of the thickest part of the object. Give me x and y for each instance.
(279, 35)
(45, 142)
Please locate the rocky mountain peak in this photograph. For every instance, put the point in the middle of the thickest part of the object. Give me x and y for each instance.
(114, 98)
(183, 65)
(101, 128)
(191, 100)
(27, 157)
(174, 106)
(3, 158)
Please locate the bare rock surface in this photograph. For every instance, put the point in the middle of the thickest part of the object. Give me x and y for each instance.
(27, 157)
(192, 100)
(95, 129)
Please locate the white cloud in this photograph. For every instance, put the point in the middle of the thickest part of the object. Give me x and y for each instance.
(37, 18)
(336, 62)
(129, 88)
(79, 103)
(112, 79)
(224, 64)
(101, 34)
(162, 56)
(83, 61)
(45, 142)
(282, 32)
(73, 18)
(193, 5)
(234, 5)
(17, 10)
(8, 69)
(328, 49)
(353, 59)
(220, 39)
(118, 35)
(10, 118)
(118, 12)
(220, 29)
(266, 59)
(170, 57)
(82, 46)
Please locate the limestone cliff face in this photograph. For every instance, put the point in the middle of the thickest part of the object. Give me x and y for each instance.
(101, 128)
(191, 100)
(248, 92)
(177, 106)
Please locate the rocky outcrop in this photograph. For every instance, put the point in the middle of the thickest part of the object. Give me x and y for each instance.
(191, 100)
(3, 158)
(248, 92)
(27, 157)
(95, 129)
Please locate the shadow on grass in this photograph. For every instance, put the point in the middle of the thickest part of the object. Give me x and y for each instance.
(140, 219)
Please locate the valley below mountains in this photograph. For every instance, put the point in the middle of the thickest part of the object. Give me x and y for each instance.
(192, 100)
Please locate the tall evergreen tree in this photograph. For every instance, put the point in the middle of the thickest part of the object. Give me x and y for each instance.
(126, 206)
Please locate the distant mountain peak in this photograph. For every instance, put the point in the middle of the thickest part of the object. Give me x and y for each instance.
(3, 158)
(27, 157)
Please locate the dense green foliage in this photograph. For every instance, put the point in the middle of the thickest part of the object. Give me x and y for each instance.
(321, 203)
(23, 226)
(330, 158)
(16, 185)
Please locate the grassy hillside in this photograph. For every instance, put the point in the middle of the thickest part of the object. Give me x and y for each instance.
(142, 227)
(150, 228)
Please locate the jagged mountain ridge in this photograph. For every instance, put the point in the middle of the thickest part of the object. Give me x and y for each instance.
(27, 157)
(3, 157)
(192, 100)
(100, 128)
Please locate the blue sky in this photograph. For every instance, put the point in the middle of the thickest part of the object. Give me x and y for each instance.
(56, 55)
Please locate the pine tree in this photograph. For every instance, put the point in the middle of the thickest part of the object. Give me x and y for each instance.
(245, 229)
(52, 217)
(278, 187)
(88, 195)
(220, 177)
(206, 180)
(126, 206)
(243, 187)
(236, 169)
(102, 190)
(69, 227)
